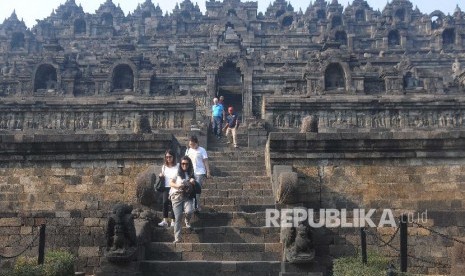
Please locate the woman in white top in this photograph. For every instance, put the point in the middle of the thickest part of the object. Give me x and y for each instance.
(182, 201)
(170, 171)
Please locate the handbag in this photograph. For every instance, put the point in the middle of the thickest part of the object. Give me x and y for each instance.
(160, 185)
(187, 189)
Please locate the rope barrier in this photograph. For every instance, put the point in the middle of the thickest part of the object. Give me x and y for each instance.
(378, 238)
(438, 233)
(29, 246)
(388, 244)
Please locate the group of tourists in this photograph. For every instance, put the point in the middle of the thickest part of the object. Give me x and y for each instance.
(184, 179)
(183, 182)
(230, 120)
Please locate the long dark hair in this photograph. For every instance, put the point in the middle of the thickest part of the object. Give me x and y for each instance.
(190, 168)
(172, 153)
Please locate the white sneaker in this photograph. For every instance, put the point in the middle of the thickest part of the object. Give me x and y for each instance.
(163, 224)
(188, 225)
(172, 224)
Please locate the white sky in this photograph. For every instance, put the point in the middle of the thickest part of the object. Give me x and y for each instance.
(30, 10)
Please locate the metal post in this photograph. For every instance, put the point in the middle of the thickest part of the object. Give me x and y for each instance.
(363, 237)
(403, 243)
(41, 244)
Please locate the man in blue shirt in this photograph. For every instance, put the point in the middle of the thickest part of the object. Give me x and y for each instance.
(232, 124)
(217, 117)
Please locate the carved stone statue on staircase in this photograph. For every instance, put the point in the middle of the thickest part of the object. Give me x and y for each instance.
(121, 234)
(298, 244)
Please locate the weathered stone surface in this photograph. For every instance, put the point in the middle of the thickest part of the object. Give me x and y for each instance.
(145, 183)
(458, 260)
(288, 190)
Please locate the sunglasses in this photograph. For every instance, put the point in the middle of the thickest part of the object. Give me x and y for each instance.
(169, 156)
(185, 164)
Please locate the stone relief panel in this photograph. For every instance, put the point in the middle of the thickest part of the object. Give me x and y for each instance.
(159, 120)
(8, 88)
(88, 121)
(178, 120)
(375, 119)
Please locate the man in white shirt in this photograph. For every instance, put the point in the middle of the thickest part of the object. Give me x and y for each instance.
(199, 158)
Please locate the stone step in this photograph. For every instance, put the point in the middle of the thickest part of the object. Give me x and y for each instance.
(236, 155)
(219, 234)
(228, 218)
(211, 268)
(245, 185)
(234, 172)
(237, 208)
(168, 251)
(234, 193)
(238, 165)
(300, 274)
(236, 178)
(241, 139)
(314, 268)
(238, 200)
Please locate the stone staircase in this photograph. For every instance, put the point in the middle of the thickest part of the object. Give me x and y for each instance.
(229, 236)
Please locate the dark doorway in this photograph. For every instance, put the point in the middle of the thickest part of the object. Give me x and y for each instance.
(341, 37)
(393, 38)
(79, 26)
(17, 41)
(123, 78)
(334, 77)
(45, 78)
(107, 19)
(232, 99)
(448, 37)
(230, 85)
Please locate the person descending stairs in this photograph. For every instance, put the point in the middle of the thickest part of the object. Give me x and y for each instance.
(228, 237)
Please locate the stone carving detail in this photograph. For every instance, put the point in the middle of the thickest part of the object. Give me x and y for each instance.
(84, 121)
(298, 243)
(178, 119)
(121, 234)
(149, 54)
(145, 181)
(287, 191)
(374, 119)
(309, 124)
(288, 120)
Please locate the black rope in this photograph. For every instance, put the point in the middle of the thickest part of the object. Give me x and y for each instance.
(17, 241)
(436, 264)
(388, 244)
(384, 243)
(29, 246)
(438, 233)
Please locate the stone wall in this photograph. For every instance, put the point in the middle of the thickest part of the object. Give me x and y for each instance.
(70, 183)
(367, 113)
(406, 172)
(109, 114)
(327, 50)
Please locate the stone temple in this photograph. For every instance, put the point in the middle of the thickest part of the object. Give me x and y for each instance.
(90, 101)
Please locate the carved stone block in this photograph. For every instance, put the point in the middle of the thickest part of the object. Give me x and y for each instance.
(287, 190)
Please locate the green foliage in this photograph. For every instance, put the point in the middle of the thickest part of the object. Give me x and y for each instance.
(57, 263)
(353, 266)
